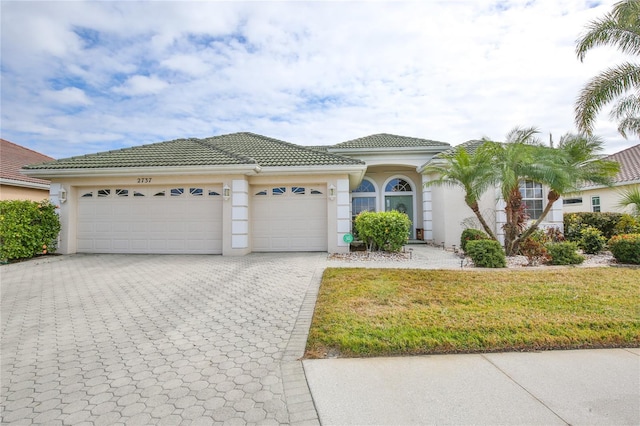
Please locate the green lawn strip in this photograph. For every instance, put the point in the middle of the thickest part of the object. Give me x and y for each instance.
(375, 312)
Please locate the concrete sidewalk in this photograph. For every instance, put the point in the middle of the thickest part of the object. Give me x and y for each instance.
(576, 387)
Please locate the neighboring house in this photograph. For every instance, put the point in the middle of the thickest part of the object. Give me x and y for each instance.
(240, 193)
(13, 184)
(598, 198)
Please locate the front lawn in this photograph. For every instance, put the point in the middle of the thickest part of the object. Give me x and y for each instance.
(380, 312)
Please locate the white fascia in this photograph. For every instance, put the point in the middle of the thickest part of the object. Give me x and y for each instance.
(623, 183)
(404, 150)
(355, 172)
(247, 169)
(24, 184)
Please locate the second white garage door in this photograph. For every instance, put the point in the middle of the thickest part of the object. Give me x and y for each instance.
(289, 218)
(176, 219)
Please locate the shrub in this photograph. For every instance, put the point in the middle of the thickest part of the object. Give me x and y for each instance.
(591, 240)
(387, 231)
(627, 225)
(535, 252)
(471, 234)
(486, 253)
(27, 228)
(605, 222)
(626, 248)
(564, 253)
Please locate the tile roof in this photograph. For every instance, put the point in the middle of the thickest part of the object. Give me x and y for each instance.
(386, 140)
(232, 149)
(629, 160)
(13, 157)
(470, 146)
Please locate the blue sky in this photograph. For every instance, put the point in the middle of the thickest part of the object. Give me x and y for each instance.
(82, 77)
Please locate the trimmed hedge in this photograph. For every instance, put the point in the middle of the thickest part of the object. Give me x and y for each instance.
(564, 253)
(605, 222)
(626, 248)
(486, 254)
(471, 234)
(27, 229)
(387, 231)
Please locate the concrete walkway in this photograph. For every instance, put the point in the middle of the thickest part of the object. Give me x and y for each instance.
(582, 387)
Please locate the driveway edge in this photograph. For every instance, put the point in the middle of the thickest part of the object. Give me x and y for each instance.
(302, 409)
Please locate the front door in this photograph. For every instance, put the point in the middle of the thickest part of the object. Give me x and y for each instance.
(402, 204)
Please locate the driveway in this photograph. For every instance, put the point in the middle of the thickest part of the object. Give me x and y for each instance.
(140, 339)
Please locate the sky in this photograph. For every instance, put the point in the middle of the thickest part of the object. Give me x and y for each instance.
(84, 77)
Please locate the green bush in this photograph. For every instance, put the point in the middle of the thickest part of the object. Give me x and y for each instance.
(486, 253)
(626, 248)
(627, 225)
(591, 240)
(387, 231)
(471, 234)
(27, 229)
(564, 253)
(605, 222)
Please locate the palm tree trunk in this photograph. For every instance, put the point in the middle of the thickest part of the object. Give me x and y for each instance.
(552, 197)
(511, 228)
(476, 210)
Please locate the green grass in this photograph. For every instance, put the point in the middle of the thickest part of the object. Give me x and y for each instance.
(382, 312)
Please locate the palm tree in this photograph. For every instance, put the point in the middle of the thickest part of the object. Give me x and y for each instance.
(619, 28)
(577, 159)
(473, 172)
(631, 197)
(515, 160)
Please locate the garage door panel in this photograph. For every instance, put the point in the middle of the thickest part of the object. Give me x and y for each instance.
(148, 224)
(288, 221)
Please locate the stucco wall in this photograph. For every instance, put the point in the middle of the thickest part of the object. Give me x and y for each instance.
(9, 192)
(609, 199)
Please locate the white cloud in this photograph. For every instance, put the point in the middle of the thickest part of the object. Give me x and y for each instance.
(141, 85)
(67, 96)
(306, 72)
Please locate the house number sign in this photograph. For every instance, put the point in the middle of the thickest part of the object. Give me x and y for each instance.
(144, 180)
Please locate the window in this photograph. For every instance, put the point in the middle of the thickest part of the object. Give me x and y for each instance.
(363, 198)
(88, 194)
(532, 198)
(104, 192)
(595, 204)
(122, 192)
(176, 192)
(263, 192)
(398, 185)
(280, 190)
(569, 201)
(315, 192)
(138, 194)
(159, 194)
(196, 192)
(213, 193)
(298, 190)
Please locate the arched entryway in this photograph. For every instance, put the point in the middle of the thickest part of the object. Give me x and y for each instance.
(399, 196)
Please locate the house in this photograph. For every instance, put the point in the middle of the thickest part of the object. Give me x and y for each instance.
(598, 198)
(239, 193)
(13, 184)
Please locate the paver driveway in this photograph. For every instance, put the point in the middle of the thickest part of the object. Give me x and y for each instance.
(140, 339)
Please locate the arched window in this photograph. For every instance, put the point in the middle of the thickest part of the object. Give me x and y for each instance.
(398, 185)
(363, 198)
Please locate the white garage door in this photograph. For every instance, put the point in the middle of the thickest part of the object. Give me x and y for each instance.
(178, 219)
(289, 218)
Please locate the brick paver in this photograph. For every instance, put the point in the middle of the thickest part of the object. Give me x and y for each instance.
(139, 339)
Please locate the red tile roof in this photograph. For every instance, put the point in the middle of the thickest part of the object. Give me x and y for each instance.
(13, 157)
(629, 160)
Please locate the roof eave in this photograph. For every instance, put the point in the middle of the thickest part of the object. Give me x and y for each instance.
(24, 184)
(356, 172)
(247, 169)
(404, 150)
(614, 184)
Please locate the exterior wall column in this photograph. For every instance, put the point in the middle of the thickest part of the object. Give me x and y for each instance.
(67, 215)
(342, 217)
(427, 210)
(235, 223)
